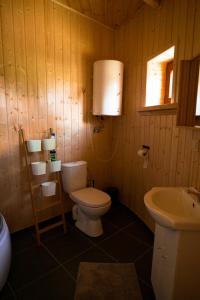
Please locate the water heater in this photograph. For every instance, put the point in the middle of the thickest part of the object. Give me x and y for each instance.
(107, 87)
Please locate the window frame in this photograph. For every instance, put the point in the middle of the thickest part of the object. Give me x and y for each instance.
(188, 85)
(169, 69)
(156, 94)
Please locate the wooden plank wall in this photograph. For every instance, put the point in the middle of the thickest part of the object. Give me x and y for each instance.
(110, 13)
(46, 58)
(174, 154)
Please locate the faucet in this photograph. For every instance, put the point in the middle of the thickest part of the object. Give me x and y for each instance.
(192, 190)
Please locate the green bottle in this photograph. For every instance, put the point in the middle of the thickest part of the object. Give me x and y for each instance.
(53, 155)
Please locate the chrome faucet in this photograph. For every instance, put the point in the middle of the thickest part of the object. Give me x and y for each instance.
(192, 190)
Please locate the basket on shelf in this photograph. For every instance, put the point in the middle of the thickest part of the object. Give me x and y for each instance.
(54, 166)
(48, 144)
(48, 188)
(38, 167)
(34, 145)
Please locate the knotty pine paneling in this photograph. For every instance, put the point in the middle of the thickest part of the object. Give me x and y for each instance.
(46, 55)
(174, 154)
(110, 13)
(46, 59)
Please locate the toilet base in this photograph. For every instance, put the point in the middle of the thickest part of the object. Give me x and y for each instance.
(93, 228)
(90, 225)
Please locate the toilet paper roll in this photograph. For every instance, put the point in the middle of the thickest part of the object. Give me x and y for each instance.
(142, 152)
(146, 162)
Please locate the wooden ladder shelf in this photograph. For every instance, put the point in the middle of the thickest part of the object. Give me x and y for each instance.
(34, 187)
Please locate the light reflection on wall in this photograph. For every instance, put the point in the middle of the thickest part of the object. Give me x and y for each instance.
(198, 97)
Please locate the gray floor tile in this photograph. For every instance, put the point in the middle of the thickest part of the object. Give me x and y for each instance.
(28, 265)
(55, 285)
(123, 247)
(68, 245)
(92, 255)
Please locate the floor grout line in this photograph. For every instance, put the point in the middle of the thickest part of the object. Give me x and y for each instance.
(24, 249)
(113, 234)
(87, 238)
(57, 261)
(139, 240)
(12, 290)
(85, 251)
(98, 245)
(93, 245)
(114, 258)
(145, 283)
(131, 235)
(143, 254)
(76, 256)
(35, 280)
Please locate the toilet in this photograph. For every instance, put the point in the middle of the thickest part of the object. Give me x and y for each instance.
(90, 203)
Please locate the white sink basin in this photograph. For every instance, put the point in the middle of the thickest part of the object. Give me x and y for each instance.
(173, 207)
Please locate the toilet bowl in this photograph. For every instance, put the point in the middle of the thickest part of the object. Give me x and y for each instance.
(5, 252)
(90, 203)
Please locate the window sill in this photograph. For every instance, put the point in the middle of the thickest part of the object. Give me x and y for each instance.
(160, 109)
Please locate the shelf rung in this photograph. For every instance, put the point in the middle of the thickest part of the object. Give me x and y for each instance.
(35, 186)
(48, 206)
(47, 228)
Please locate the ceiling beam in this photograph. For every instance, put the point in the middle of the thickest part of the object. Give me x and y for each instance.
(153, 3)
(57, 2)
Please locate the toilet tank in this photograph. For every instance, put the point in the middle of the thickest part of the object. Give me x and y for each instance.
(74, 176)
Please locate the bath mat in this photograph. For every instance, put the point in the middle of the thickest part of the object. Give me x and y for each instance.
(107, 281)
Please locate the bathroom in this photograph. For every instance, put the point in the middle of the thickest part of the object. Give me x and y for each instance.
(48, 49)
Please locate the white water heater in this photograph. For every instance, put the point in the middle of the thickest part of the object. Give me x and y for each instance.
(107, 87)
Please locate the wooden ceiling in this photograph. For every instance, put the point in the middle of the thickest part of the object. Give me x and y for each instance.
(109, 12)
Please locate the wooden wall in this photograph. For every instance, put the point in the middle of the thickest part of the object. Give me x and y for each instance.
(46, 58)
(174, 154)
(111, 13)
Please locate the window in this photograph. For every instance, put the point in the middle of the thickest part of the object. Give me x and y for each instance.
(159, 83)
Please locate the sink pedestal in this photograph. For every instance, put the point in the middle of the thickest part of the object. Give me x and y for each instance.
(176, 264)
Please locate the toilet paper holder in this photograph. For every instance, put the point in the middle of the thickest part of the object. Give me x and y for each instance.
(143, 151)
(146, 147)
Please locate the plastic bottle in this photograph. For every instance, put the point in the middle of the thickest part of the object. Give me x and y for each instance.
(53, 155)
(53, 152)
(53, 135)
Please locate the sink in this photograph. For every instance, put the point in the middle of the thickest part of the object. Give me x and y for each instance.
(173, 207)
(176, 265)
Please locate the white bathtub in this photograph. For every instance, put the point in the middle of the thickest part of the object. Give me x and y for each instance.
(5, 252)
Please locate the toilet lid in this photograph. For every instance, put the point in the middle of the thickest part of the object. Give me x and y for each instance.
(91, 197)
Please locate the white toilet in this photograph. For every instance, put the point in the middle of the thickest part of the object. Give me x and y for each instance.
(91, 203)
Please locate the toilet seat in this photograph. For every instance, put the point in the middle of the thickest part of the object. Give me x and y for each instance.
(91, 197)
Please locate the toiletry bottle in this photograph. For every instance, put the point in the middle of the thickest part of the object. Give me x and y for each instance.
(53, 135)
(53, 155)
(53, 152)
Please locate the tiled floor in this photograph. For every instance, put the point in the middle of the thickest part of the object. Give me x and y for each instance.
(49, 272)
